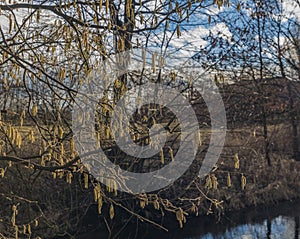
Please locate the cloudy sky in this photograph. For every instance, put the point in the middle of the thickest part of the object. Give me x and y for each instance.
(192, 40)
(193, 32)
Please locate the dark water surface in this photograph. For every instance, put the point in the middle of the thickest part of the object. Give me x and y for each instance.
(274, 222)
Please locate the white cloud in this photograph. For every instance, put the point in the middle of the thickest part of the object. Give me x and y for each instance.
(192, 41)
(291, 8)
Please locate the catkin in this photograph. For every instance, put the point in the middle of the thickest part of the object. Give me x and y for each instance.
(106, 6)
(228, 180)
(86, 181)
(16, 232)
(214, 181)
(180, 224)
(31, 136)
(177, 7)
(21, 121)
(180, 217)
(208, 182)
(10, 23)
(15, 135)
(108, 185)
(13, 217)
(178, 31)
(115, 187)
(142, 203)
(209, 19)
(236, 161)
(141, 19)
(95, 19)
(98, 139)
(171, 153)
(107, 132)
(19, 140)
(156, 204)
(162, 158)
(61, 160)
(10, 132)
(2, 143)
(72, 145)
(100, 204)
(2, 172)
(38, 15)
(111, 211)
(34, 110)
(243, 182)
(62, 149)
(43, 161)
(238, 7)
(69, 177)
(199, 138)
(108, 25)
(60, 132)
(97, 192)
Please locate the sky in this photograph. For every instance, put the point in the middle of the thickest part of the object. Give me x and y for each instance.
(193, 32)
(192, 40)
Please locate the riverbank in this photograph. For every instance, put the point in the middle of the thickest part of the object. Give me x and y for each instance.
(269, 192)
(233, 224)
(264, 185)
(198, 227)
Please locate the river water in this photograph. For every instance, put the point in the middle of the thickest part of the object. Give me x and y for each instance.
(274, 222)
(281, 227)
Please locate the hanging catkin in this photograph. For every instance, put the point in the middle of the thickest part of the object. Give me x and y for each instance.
(178, 31)
(111, 211)
(199, 138)
(34, 110)
(236, 161)
(100, 4)
(228, 180)
(162, 158)
(243, 182)
(86, 181)
(171, 153)
(106, 6)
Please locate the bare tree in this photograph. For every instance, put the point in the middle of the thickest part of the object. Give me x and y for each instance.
(254, 51)
(47, 49)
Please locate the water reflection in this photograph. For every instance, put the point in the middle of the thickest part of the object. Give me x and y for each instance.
(276, 222)
(281, 227)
